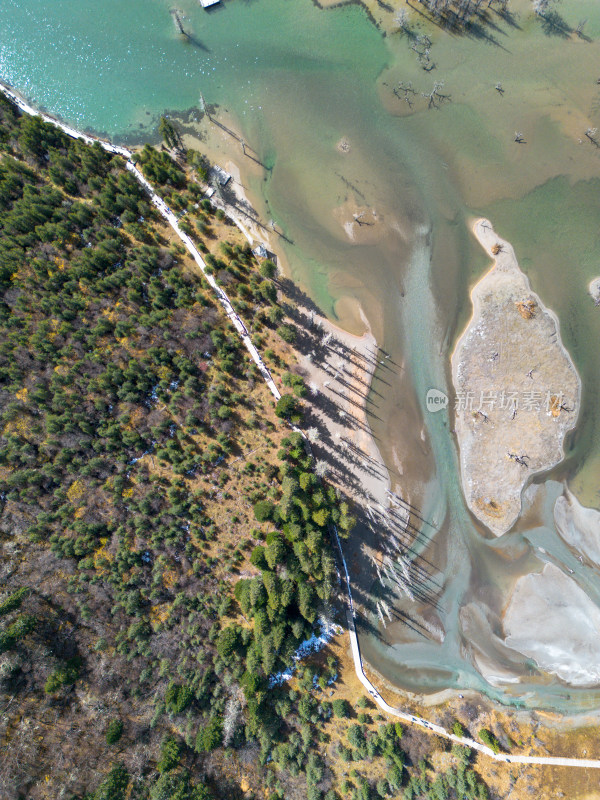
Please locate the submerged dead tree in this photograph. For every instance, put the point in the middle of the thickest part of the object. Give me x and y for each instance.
(405, 92)
(422, 47)
(591, 134)
(401, 19)
(435, 98)
(459, 14)
(176, 14)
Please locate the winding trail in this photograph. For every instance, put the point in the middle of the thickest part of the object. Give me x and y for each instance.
(168, 215)
(410, 719)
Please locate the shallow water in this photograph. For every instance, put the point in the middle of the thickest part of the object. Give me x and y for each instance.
(297, 79)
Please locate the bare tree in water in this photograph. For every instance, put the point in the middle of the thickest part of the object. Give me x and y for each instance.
(541, 7)
(435, 97)
(401, 18)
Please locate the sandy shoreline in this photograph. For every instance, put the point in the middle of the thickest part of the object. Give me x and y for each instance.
(339, 370)
(517, 389)
(217, 140)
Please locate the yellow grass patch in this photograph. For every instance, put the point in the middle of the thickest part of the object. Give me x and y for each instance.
(75, 491)
(169, 578)
(526, 308)
(100, 553)
(19, 425)
(555, 405)
(491, 507)
(159, 614)
(135, 418)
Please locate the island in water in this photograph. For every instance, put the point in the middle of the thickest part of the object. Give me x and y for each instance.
(517, 391)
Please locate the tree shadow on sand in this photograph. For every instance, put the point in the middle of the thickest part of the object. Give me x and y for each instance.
(555, 25)
(388, 549)
(467, 18)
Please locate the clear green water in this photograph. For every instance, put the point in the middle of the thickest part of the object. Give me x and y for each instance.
(297, 79)
(115, 66)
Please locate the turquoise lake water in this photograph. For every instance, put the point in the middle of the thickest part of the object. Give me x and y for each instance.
(297, 79)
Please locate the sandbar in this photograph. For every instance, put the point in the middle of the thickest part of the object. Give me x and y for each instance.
(578, 526)
(517, 391)
(552, 620)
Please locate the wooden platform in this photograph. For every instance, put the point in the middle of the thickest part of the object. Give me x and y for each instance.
(208, 3)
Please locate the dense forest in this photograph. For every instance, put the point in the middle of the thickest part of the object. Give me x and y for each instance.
(165, 539)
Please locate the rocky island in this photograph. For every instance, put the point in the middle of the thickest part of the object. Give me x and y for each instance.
(517, 391)
(594, 290)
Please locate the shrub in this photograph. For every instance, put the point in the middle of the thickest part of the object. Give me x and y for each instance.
(228, 642)
(257, 557)
(114, 786)
(177, 786)
(489, 739)
(268, 291)
(13, 634)
(170, 755)
(268, 269)
(177, 698)
(114, 731)
(65, 675)
(295, 383)
(356, 737)
(345, 753)
(263, 510)
(288, 333)
(341, 708)
(287, 406)
(275, 315)
(13, 601)
(211, 736)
